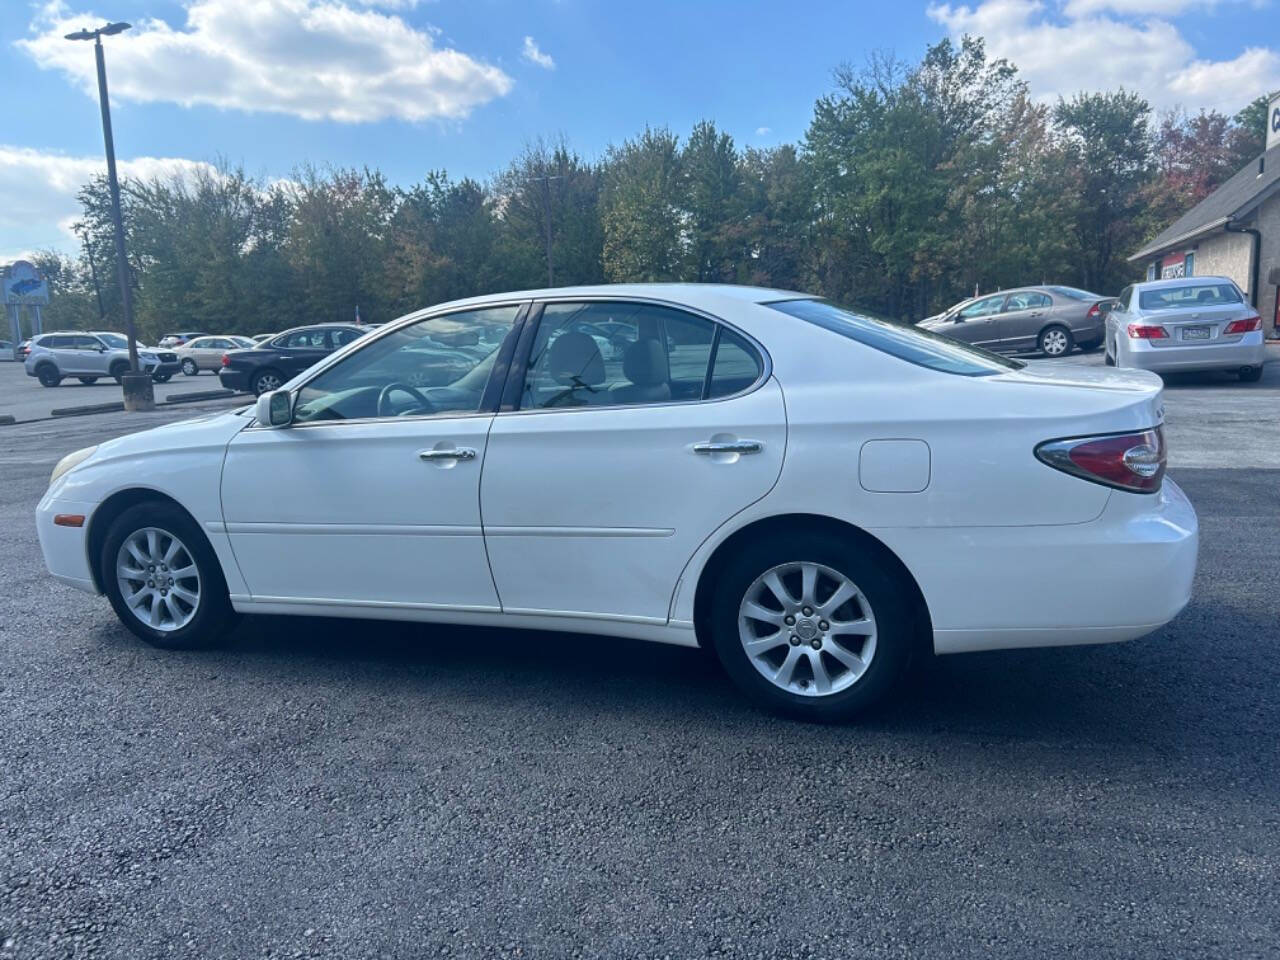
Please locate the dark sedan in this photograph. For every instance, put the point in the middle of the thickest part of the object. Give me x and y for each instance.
(265, 367)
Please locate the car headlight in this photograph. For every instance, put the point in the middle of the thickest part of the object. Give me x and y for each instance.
(71, 460)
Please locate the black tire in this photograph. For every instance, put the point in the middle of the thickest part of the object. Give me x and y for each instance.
(259, 383)
(161, 377)
(892, 604)
(1088, 346)
(48, 375)
(87, 380)
(213, 616)
(1047, 337)
(118, 370)
(189, 367)
(1251, 374)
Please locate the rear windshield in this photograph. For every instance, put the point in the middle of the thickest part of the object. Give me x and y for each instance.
(913, 344)
(1074, 293)
(1189, 295)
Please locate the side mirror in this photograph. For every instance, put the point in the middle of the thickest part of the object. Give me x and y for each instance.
(274, 409)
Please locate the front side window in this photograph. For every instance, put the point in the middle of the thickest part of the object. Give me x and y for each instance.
(915, 345)
(983, 308)
(435, 366)
(114, 341)
(617, 353)
(1189, 295)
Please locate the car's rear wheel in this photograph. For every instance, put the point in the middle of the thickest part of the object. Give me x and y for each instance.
(118, 370)
(163, 579)
(265, 381)
(48, 375)
(1055, 341)
(1250, 374)
(87, 380)
(812, 626)
(1088, 346)
(189, 367)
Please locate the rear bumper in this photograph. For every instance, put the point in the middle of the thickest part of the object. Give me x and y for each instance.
(1249, 351)
(237, 380)
(1115, 578)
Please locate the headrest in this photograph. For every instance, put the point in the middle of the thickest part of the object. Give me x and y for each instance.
(574, 358)
(645, 363)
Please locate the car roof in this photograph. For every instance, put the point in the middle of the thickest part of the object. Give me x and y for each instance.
(1181, 282)
(317, 326)
(692, 294)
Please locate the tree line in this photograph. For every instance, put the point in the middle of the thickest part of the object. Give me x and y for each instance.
(915, 185)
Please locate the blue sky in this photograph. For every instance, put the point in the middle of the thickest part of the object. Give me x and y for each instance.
(410, 85)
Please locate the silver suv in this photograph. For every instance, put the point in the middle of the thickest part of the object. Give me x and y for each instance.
(88, 356)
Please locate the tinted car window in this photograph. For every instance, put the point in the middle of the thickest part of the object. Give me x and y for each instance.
(341, 338)
(303, 339)
(912, 344)
(617, 353)
(1189, 295)
(432, 367)
(737, 366)
(1027, 300)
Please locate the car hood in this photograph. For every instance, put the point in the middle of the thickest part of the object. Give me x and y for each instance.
(203, 431)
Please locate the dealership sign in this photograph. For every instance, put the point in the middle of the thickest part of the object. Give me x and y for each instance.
(22, 284)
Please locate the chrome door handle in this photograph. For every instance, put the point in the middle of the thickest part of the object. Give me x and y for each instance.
(732, 446)
(460, 453)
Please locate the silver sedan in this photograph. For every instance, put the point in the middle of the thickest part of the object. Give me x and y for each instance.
(1200, 323)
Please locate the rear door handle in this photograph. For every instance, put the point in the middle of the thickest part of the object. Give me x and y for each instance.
(458, 453)
(729, 446)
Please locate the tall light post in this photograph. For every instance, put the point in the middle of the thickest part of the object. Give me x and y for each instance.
(138, 392)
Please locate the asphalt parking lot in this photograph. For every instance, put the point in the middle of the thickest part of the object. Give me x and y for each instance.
(24, 398)
(357, 789)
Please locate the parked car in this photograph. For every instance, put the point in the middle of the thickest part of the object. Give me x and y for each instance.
(24, 348)
(269, 364)
(171, 340)
(1051, 319)
(815, 542)
(1201, 323)
(205, 353)
(89, 356)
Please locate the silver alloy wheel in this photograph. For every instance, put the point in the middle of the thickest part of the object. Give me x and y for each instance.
(1055, 343)
(158, 579)
(189, 367)
(807, 629)
(267, 382)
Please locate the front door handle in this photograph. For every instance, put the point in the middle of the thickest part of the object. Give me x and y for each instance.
(457, 453)
(728, 446)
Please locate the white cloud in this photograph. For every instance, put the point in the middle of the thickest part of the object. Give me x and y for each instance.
(1089, 48)
(315, 59)
(763, 131)
(40, 189)
(531, 53)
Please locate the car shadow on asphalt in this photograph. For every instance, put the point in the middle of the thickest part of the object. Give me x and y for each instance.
(1150, 691)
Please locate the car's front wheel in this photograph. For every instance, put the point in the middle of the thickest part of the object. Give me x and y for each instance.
(163, 579)
(1250, 374)
(161, 377)
(1055, 341)
(189, 367)
(118, 370)
(813, 626)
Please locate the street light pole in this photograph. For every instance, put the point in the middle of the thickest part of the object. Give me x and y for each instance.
(138, 391)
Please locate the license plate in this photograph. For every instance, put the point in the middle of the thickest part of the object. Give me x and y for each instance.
(1195, 333)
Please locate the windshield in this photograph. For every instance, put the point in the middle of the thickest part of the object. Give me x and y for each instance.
(1074, 293)
(114, 340)
(1189, 295)
(916, 345)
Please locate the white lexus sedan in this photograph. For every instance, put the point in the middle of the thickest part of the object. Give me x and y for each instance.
(816, 494)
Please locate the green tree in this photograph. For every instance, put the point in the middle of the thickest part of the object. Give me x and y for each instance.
(640, 209)
(709, 178)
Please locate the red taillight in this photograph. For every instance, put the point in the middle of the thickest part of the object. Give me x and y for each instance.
(1138, 331)
(1129, 461)
(1094, 312)
(1247, 325)
(226, 361)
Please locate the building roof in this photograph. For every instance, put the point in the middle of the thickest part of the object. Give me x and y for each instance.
(1232, 200)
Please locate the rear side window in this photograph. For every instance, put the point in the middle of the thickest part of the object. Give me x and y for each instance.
(1028, 300)
(342, 337)
(912, 344)
(736, 366)
(1189, 295)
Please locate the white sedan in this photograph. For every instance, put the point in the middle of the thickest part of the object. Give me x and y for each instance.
(816, 494)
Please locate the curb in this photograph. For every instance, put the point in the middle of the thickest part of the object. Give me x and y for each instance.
(199, 395)
(87, 408)
(6, 419)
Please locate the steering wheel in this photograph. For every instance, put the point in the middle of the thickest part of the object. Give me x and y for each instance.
(390, 388)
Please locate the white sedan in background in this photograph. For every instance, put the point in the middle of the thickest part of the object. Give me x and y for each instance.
(1188, 324)
(816, 494)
